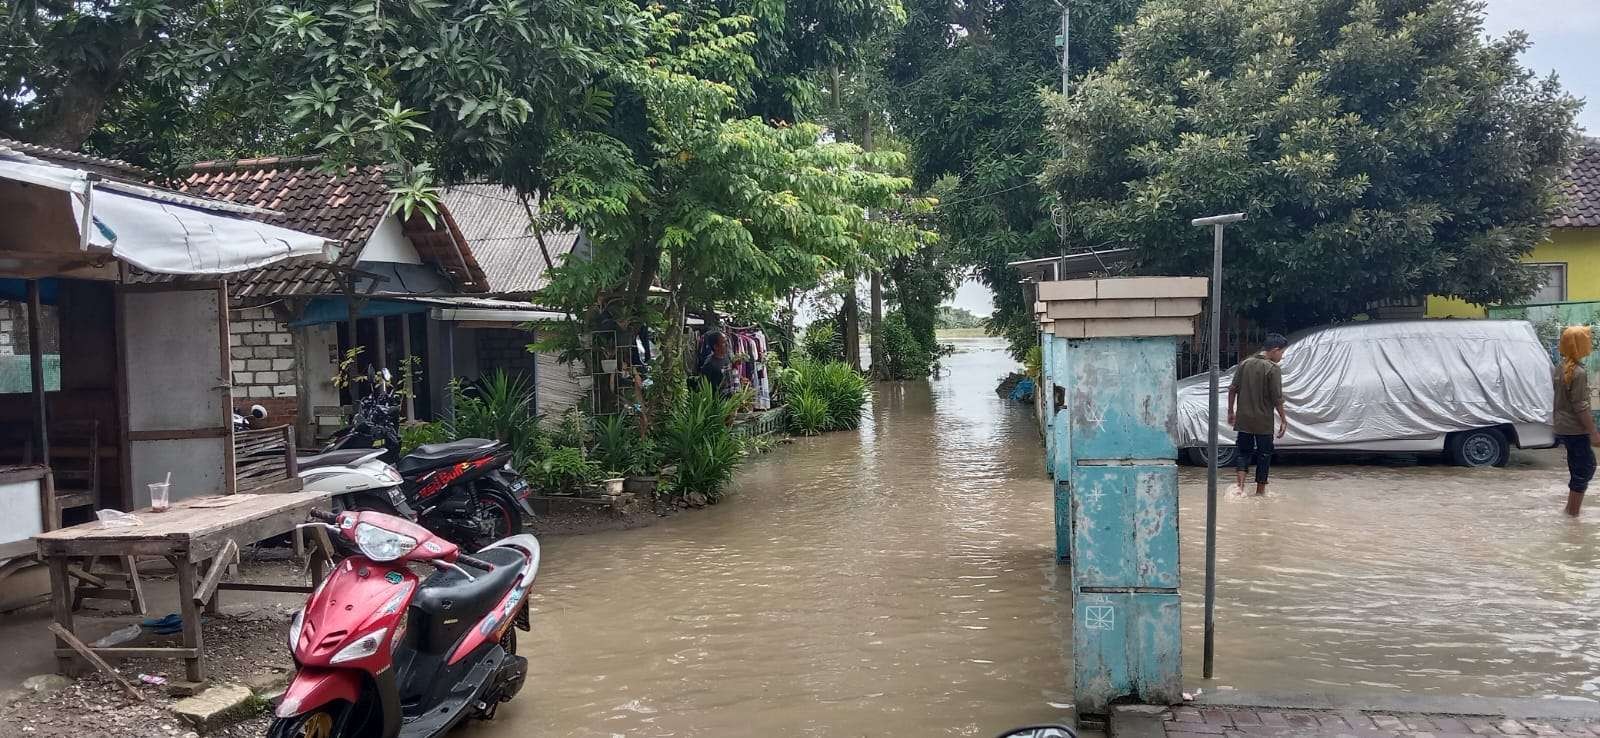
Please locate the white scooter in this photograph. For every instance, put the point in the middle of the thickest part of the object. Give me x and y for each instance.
(358, 479)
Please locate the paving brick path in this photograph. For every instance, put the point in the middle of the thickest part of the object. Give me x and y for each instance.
(1219, 722)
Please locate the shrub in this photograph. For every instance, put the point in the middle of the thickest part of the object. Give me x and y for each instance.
(563, 469)
(1033, 363)
(499, 406)
(845, 391)
(808, 414)
(614, 442)
(696, 438)
(413, 435)
(822, 342)
(841, 389)
(905, 356)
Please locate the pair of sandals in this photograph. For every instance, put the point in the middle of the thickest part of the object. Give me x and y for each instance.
(169, 625)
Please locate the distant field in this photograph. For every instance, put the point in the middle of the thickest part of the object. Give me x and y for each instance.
(951, 333)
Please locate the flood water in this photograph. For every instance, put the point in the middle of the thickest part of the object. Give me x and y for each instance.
(1395, 576)
(899, 581)
(892, 581)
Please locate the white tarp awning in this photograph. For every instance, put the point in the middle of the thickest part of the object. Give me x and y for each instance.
(161, 231)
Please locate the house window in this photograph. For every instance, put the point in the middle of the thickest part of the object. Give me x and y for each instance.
(1553, 283)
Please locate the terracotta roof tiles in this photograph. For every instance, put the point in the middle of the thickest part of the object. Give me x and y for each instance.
(1582, 189)
(343, 206)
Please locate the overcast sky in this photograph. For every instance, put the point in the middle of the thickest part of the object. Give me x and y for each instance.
(1566, 40)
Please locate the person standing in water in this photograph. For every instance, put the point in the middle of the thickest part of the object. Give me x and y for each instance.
(1255, 396)
(1573, 418)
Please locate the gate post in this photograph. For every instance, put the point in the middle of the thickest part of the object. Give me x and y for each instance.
(1117, 481)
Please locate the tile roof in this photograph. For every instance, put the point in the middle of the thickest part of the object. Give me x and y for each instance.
(1582, 189)
(497, 228)
(344, 206)
(100, 165)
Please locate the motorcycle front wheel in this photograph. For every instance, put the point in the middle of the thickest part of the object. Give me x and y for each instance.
(334, 720)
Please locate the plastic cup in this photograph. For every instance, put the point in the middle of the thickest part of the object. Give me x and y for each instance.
(159, 502)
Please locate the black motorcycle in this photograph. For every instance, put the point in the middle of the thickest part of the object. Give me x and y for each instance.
(466, 490)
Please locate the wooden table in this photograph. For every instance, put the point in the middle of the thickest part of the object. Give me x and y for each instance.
(190, 533)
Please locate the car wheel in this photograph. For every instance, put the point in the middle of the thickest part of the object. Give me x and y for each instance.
(1197, 456)
(1479, 448)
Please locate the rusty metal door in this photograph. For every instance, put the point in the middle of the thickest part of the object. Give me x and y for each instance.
(176, 392)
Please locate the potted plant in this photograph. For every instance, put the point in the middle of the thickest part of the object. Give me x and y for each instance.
(643, 468)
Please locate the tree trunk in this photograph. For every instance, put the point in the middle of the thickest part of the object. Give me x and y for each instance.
(879, 369)
(852, 324)
(875, 327)
(75, 112)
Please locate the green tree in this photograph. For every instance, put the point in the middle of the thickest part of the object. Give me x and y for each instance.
(964, 86)
(439, 91)
(683, 193)
(952, 317)
(1382, 148)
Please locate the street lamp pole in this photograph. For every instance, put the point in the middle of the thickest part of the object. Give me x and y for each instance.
(1217, 224)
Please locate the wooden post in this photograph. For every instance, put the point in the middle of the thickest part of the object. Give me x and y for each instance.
(406, 369)
(41, 436)
(61, 603)
(194, 665)
(383, 342)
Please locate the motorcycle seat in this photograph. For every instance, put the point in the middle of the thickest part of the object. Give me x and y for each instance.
(435, 455)
(447, 598)
(341, 457)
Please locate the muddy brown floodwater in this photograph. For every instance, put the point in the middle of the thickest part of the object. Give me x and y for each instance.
(892, 581)
(898, 581)
(1394, 575)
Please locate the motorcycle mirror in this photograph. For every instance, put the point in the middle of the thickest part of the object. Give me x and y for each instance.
(1041, 731)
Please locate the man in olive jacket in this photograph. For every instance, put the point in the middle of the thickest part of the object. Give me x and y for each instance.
(1255, 401)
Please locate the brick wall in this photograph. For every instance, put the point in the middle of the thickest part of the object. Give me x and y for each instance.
(263, 364)
(14, 329)
(505, 349)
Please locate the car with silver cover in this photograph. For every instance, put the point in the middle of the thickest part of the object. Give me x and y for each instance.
(1469, 389)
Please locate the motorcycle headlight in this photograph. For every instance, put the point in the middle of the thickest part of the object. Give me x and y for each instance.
(294, 629)
(382, 545)
(362, 648)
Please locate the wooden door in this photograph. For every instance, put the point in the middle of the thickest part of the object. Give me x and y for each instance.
(176, 392)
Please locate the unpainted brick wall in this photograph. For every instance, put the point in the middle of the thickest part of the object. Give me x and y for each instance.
(263, 364)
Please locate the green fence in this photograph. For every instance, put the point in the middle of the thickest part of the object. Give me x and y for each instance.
(1549, 320)
(15, 377)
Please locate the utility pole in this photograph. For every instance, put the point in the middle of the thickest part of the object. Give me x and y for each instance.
(1066, 44)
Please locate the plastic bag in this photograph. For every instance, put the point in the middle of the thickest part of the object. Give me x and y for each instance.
(119, 636)
(117, 519)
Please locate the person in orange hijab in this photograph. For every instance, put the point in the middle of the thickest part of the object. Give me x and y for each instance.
(1573, 417)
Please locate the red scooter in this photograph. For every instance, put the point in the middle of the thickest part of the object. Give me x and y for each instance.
(382, 653)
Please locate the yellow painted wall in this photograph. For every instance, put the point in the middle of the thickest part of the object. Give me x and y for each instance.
(1578, 248)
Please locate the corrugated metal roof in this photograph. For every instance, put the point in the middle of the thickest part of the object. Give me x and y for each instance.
(97, 164)
(495, 223)
(1582, 189)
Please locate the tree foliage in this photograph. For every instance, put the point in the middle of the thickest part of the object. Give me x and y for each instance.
(964, 89)
(1382, 149)
(681, 190)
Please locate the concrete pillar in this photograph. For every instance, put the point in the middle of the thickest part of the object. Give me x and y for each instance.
(1116, 480)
